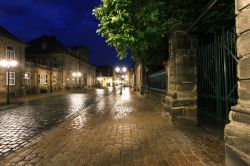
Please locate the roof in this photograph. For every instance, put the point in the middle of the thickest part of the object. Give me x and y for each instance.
(52, 45)
(7, 34)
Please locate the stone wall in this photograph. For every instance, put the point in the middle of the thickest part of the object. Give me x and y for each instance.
(35, 86)
(181, 68)
(138, 76)
(237, 132)
(67, 64)
(19, 49)
(158, 97)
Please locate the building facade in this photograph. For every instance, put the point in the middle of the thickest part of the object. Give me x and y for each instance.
(11, 49)
(72, 62)
(43, 65)
(104, 75)
(40, 79)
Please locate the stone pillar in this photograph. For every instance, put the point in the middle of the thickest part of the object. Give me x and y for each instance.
(237, 132)
(181, 98)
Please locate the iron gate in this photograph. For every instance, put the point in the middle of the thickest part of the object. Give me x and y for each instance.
(157, 81)
(217, 82)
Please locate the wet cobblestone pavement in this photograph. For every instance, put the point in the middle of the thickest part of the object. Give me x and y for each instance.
(119, 130)
(20, 125)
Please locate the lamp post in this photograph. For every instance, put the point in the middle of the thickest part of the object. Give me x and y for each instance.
(120, 71)
(8, 64)
(77, 75)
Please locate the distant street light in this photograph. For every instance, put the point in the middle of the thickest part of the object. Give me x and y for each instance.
(117, 69)
(8, 64)
(121, 71)
(124, 69)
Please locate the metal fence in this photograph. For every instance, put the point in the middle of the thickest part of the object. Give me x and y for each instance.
(217, 81)
(158, 81)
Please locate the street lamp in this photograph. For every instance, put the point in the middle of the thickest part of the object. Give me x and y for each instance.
(124, 69)
(77, 75)
(8, 64)
(120, 71)
(117, 69)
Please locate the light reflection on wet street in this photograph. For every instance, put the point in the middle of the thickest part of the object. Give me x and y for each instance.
(119, 129)
(20, 125)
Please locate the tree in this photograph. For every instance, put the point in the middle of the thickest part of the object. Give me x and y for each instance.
(139, 26)
(142, 26)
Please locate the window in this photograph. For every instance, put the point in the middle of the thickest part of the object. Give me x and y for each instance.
(44, 46)
(38, 78)
(10, 52)
(27, 78)
(54, 80)
(46, 79)
(11, 78)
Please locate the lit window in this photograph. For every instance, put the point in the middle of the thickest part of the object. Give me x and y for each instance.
(10, 52)
(46, 79)
(27, 78)
(11, 78)
(54, 79)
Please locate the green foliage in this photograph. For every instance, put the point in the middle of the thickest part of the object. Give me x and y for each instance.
(138, 25)
(142, 26)
(221, 16)
(115, 25)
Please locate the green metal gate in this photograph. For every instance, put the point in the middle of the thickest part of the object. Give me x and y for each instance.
(158, 81)
(217, 82)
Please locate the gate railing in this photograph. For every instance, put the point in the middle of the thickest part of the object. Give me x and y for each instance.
(217, 80)
(158, 81)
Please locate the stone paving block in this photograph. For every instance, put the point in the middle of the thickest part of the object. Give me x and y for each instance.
(138, 163)
(16, 159)
(139, 137)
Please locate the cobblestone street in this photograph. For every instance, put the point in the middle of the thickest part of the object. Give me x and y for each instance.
(117, 130)
(20, 125)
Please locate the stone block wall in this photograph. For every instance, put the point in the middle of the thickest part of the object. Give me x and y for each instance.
(19, 49)
(181, 69)
(34, 86)
(237, 132)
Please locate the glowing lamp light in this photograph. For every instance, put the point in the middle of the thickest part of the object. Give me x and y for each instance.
(8, 63)
(124, 69)
(76, 74)
(79, 74)
(99, 78)
(117, 69)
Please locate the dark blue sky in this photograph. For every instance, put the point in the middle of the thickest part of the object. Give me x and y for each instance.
(71, 21)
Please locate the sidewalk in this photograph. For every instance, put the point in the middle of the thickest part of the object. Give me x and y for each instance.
(120, 130)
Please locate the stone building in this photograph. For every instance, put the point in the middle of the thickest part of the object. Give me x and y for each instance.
(45, 65)
(237, 132)
(70, 60)
(40, 78)
(104, 76)
(11, 48)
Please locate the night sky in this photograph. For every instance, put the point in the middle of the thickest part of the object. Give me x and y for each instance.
(71, 21)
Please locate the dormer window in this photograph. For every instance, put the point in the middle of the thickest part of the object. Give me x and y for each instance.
(44, 46)
(10, 52)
